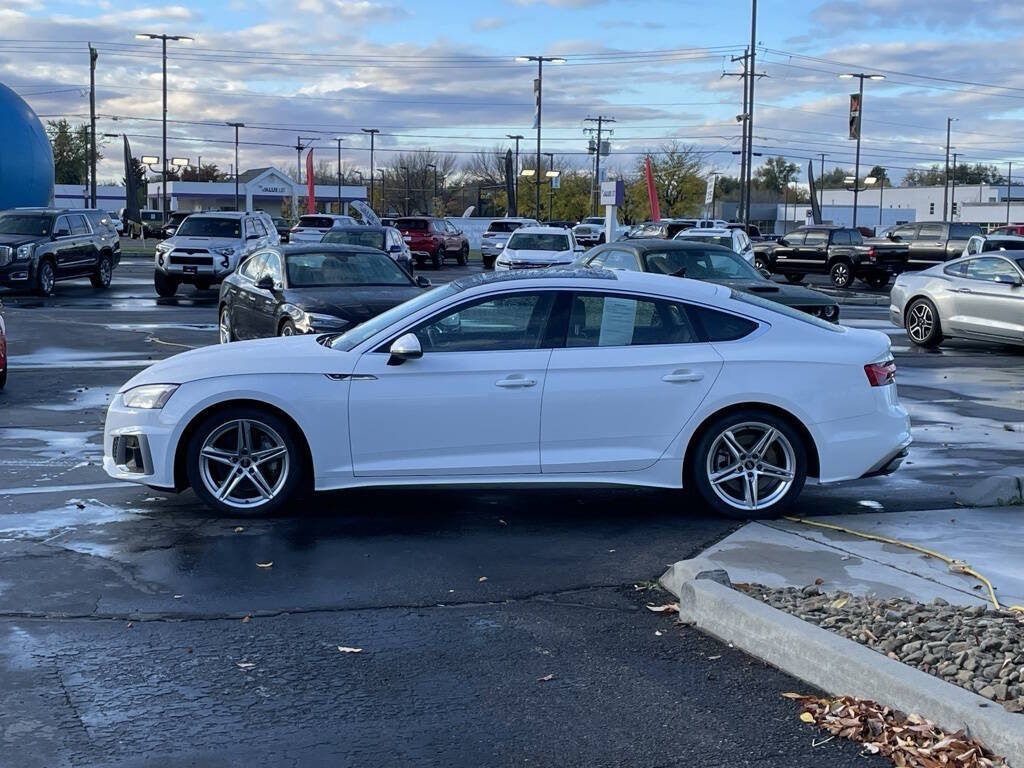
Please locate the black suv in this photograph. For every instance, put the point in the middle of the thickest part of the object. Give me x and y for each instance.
(39, 246)
(932, 242)
(839, 252)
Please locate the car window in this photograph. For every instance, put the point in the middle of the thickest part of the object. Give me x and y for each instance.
(974, 245)
(816, 237)
(957, 269)
(504, 226)
(414, 225)
(701, 264)
(856, 238)
(1001, 245)
(795, 238)
(782, 309)
(905, 233)
(272, 267)
(25, 224)
(841, 237)
(989, 269)
(494, 323)
(62, 225)
(615, 258)
(603, 320)
(930, 232)
(964, 230)
(536, 241)
(721, 326)
(338, 268)
(450, 227)
(253, 267)
(78, 224)
(316, 222)
(260, 229)
(208, 226)
(364, 236)
(742, 241)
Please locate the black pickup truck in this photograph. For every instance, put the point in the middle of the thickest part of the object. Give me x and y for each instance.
(839, 252)
(930, 242)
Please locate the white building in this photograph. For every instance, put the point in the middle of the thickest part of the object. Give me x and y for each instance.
(263, 189)
(966, 203)
(108, 198)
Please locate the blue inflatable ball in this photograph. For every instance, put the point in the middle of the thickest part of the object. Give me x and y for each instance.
(26, 160)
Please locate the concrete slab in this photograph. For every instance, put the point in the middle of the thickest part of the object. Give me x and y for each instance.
(780, 553)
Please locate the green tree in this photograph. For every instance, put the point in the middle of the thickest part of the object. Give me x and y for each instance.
(70, 147)
(680, 180)
(834, 178)
(207, 172)
(881, 175)
(776, 173)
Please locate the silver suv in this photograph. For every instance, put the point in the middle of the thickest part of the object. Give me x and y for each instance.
(492, 242)
(207, 247)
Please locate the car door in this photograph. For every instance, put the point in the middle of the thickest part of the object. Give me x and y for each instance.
(928, 247)
(245, 295)
(65, 247)
(813, 253)
(265, 300)
(632, 372)
(85, 252)
(785, 256)
(470, 405)
(989, 299)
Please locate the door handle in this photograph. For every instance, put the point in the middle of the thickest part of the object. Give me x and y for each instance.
(964, 290)
(683, 375)
(515, 382)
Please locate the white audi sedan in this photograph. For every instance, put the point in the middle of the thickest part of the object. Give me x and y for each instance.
(561, 376)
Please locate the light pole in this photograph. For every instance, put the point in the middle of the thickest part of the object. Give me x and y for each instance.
(551, 174)
(1009, 176)
(881, 191)
(952, 202)
(236, 126)
(339, 139)
(406, 169)
(945, 176)
(373, 132)
(860, 106)
(740, 216)
(539, 90)
(433, 200)
(163, 39)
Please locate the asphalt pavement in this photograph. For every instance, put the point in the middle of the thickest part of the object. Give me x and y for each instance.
(136, 628)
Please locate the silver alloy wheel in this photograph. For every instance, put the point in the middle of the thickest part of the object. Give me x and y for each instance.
(920, 322)
(224, 327)
(46, 278)
(841, 274)
(751, 465)
(105, 271)
(287, 330)
(244, 463)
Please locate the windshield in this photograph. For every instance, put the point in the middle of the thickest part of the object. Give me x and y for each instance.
(416, 225)
(1003, 245)
(371, 239)
(151, 216)
(723, 240)
(531, 241)
(504, 226)
(25, 224)
(701, 265)
(308, 270)
(782, 309)
(594, 220)
(201, 226)
(359, 334)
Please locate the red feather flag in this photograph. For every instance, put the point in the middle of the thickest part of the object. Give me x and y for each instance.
(652, 191)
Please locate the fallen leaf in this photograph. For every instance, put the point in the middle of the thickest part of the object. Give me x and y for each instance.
(545, 678)
(666, 608)
(713, 658)
(807, 717)
(245, 619)
(239, 529)
(791, 695)
(482, 578)
(265, 565)
(346, 649)
(245, 665)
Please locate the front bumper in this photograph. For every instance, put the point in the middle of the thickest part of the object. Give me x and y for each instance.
(152, 434)
(508, 265)
(17, 273)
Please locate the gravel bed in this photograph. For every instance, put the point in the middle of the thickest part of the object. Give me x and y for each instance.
(975, 647)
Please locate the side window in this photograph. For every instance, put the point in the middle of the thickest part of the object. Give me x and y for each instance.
(855, 237)
(841, 237)
(449, 227)
(930, 232)
(742, 241)
(62, 226)
(253, 267)
(616, 259)
(989, 269)
(816, 237)
(721, 326)
(272, 267)
(795, 238)
(956, 270)
(905, 233)
(78, 224)
(496, 323)
(974, 245)
(597, 320)
(258, 227)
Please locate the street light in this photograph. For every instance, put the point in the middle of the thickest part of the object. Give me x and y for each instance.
(236, 126)
(406, 169)
(856, 170)
(339, 139)
(433, 200)
(539, 89)
(163, 39)
(373, 132)
(528, 172)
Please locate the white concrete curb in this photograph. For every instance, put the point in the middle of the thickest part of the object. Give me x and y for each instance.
(833, 663)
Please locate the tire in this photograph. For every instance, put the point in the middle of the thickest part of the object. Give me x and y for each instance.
(227, 466)
(921, 319)
(287, 329)
(600, 240)
(3, 377)
(420, 263)
(45, 278)
(100, 279)
(166, 286)
(463, 258)
(794, 278)
(488, 261)
(712, 456)
(877, 281)
(225, 333)
(439, 257)
(841, 273)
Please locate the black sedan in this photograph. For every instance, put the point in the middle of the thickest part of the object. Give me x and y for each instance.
(712, 263)
(283, 227)
(310, 288)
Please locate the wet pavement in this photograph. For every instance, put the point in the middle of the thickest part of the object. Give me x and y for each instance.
(123, 630)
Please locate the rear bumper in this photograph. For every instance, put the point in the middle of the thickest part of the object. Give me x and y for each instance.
(867, 445)
(889, 464)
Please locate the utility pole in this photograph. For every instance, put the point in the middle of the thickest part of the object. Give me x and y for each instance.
(821, 183)
(600, 120)
(339, 139)
(751, 77)
(538, 93)
(236, 126)
(93, 55)
(742, 118)
(373, 132)
(407, 192)
(1009, 175)
(952, 202)
(859, 121)
(434, 198)
(299, 146)
(551, 183)
(517, 137)
(945, 176)
(881, 191)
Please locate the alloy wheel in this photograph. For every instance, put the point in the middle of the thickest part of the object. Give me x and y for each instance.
(751, 466)
(46, 278)
(920, 322)
(841, 275)
(224, 327)
(244, 463)
(105, 272)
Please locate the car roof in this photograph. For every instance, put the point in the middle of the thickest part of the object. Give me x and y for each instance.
(512, 218)
(362, 228)
(292, 250)
(696, 231)
(1001, 236)
(220, 214)
(541, 230)
(646, 244)
(589, 277)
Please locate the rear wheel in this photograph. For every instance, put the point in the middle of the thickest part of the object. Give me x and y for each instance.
(104, 271)
(797, 278)
(439, 257)
(287, 329)
(166, 286)
(45, 278)
(224, 331)
(922, 323)
(750, 463)
(488, 261)
(841, 274)
(463, 258)
(245, 461)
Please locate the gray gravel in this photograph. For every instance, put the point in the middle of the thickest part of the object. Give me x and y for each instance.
(975, 647)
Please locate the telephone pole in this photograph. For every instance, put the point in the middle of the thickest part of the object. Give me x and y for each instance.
(742, 118)
(749, 112)
(600, 120)
(373, 132)
(93, 55)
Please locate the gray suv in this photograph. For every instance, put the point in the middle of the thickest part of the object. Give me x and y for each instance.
(39, 246)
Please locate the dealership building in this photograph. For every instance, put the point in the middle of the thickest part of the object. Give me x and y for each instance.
(263, 189)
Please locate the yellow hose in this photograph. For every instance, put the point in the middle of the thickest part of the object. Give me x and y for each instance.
(955, 566)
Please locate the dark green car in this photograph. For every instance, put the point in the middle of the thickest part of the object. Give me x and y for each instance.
(712, 263)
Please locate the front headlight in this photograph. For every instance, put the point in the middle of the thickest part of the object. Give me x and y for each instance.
(224, 251)
(148, 395)
(317, 320)
(24, 252)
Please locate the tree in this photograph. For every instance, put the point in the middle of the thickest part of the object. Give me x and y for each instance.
(207, 172)
(408, 183)
(680, 180)
(881, 175)
(776, 173)
(71, 151)
(930, 177)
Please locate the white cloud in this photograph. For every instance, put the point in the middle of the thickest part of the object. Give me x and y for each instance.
(169, 12)
(486, 23)
(560, 3)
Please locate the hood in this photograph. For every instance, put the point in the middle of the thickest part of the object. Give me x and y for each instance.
(356, 305)
(291, 354)
(790, 295)
(539, 257)
(15, 240)
(190, 241)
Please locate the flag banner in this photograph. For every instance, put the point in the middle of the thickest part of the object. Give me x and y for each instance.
(310, 184)
(652, 191)
(131, 187)
(536, 103)
(369, 217)
(854, 115)
(815, 208)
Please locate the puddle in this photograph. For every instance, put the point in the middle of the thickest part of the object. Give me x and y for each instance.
(53, 445)
(73, 514)
(82, 399)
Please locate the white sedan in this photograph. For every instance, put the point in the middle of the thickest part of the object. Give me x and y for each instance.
(560, 376)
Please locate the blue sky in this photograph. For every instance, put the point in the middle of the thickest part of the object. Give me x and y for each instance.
(406, 72)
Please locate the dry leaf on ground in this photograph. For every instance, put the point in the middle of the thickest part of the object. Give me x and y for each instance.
(265, 565)
(666, 608)
(347, 649)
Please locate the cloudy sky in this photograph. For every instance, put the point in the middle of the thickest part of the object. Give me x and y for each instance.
(440, 74)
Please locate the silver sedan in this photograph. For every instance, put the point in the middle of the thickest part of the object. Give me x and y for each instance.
(980, 296)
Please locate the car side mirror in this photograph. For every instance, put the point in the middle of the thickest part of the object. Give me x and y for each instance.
(1009, 280)
(405, 347)
(422, 281)
(265, 283)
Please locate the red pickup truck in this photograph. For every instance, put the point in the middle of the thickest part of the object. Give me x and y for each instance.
(434, 239)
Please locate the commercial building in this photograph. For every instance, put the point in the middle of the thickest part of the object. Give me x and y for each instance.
(108, 197)
(779, 218)
(983, 204)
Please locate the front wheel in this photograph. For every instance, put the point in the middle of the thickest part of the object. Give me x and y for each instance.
(750, 463)
(439, 257)
(841, 274)
(104, 271)
(45, 278)
(245, 461)
(922, 324)
(165, 285)
(287, 329)
(224, 331)
(797, 278)
(463, 258)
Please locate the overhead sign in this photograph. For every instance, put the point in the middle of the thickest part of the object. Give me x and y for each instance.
(613, 192)
(855, 106)
(273, 189)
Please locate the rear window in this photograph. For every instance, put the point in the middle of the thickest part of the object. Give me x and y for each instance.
(1003, 245)
(504, 226)
(782, 309)
(964, 230)
(414, 225)
(318, 222)
(723, 240)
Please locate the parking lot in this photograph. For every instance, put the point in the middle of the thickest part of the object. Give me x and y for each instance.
(142, 616)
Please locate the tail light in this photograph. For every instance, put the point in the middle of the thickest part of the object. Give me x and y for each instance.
(872, 254)
(881, 374)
